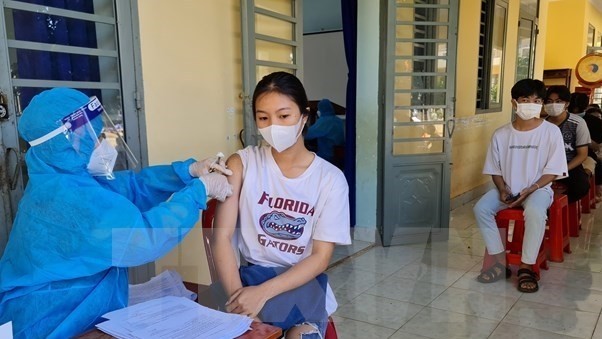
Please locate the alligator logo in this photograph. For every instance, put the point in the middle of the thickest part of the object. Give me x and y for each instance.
(282, 226)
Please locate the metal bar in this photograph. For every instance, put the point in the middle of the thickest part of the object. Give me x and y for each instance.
(275, 15)
(433, 90)
(37, 46)
(421, 23)
(421, 40)
(422, 6)
(276, 64)
(420, 107)
(420, 57)
(58, 83)
(276, 40)
(402, 140)
(59, 12)
(442, 74)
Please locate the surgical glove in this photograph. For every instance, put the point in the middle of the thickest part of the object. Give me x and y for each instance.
(216, 185)
(209, 165)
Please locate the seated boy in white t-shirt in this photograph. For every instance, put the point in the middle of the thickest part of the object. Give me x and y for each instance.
(523, 158)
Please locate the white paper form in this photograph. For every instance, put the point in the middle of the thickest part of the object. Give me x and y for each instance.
(6, 330)
(173, 317)
(168, 283)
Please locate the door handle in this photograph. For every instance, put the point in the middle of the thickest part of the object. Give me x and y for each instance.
(451, 126)
(13, 179)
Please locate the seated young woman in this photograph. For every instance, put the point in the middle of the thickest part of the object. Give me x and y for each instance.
(288, 209)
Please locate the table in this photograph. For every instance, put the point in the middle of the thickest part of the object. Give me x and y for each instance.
(257, 331)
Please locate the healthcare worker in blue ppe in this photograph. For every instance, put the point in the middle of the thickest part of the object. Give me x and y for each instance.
(79, 225)
(329, 130)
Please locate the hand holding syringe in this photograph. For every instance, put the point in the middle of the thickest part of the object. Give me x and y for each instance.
(210, 165)
(217, 161)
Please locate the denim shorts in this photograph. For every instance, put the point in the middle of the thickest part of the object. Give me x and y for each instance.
(318, 333)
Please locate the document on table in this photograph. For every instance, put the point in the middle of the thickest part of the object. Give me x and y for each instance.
(173, 317)
(6, 330)
(168, 283)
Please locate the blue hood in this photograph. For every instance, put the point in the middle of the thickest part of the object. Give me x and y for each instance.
(325, 108)
(42, 116)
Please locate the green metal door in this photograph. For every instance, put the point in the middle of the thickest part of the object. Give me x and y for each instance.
(418, 79)
(272, 40)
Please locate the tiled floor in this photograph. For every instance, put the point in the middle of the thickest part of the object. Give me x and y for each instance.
(430, 290)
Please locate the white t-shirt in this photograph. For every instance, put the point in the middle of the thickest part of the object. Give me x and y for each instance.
(522, 157)
(279, 216)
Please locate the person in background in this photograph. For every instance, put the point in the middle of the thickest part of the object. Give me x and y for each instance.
(578, 103)
(79, 225)
(576, 140)
(593, 118)
(288, 210)
(329, 130)
(523, 159)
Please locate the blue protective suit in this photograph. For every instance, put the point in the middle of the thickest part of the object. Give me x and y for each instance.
(329, 131)
(75, 235)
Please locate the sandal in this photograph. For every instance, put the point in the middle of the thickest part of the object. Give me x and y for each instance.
(494, 273)
(526, 277)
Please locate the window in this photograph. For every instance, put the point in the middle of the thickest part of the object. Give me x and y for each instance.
(492, 43)
(527, 39)
(591, 33)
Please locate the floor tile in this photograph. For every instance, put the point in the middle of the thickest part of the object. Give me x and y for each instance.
(432, 274)
(598, 331)
(511, 331)
(504, 288)
(473, 303)
(552, 319)
(379, 311)
(574, 298)
(352, 329)
(413, 291)
(434, 323)
(404, 335)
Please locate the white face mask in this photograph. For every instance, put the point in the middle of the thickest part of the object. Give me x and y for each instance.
(102, 160)
(528, 111)
(282, 137)
(555, 109)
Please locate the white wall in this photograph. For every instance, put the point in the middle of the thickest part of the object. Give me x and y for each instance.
(325, 67)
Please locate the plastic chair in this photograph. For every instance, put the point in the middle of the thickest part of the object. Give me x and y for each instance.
(514, 244)
(574, 218)
(557, 231)
(207, 223)
(588, 202)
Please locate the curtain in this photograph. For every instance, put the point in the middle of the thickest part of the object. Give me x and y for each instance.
(50, 29)
(349, 13)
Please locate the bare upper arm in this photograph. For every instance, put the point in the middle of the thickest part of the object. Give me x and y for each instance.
(226, 213)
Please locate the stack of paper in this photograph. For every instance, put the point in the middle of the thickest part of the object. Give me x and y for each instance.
(173, 317)
(168, 283)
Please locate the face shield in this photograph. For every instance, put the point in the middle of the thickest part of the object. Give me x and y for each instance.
(92, 133)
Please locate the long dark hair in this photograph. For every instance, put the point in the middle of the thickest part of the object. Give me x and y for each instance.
(283, 83)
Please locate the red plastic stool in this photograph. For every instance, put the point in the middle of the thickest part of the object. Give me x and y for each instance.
(557, 231)
(592, 192)
(590, 198)
(514, 246)
(574, 218)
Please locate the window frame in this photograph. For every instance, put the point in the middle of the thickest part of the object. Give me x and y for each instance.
(486, 33)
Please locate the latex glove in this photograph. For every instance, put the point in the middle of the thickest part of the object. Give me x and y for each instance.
(213, 164)
(216, 185)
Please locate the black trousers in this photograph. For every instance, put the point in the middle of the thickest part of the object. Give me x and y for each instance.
(577, 184)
